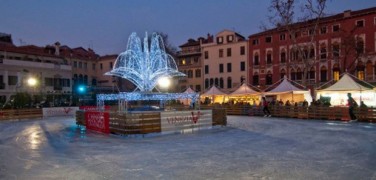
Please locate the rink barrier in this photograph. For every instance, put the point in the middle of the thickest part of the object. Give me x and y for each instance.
(150, 122)
(312, 112)
(14, 114)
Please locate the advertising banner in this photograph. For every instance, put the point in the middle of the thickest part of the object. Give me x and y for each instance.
(93, 108)
(59, 111)
(185, 120)
(97, 121)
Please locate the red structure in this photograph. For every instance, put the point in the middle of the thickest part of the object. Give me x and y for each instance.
(342, 42)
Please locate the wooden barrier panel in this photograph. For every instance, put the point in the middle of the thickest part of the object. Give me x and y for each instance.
(10, 114)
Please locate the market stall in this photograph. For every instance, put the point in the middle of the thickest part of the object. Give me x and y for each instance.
(285, 90)
(360, 91)
(245, 94)
(213, 95)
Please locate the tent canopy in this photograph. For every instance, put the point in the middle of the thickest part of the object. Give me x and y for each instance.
(213, 91)
(189, 90)
(286, 87)
(346, 83)
(243, 90)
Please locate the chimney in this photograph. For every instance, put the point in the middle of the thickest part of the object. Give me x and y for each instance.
(347, 13)
(57, 48)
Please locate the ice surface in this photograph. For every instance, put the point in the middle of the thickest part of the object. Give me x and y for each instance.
(248, 148)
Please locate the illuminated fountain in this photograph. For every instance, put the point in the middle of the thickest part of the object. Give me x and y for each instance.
(144, 67)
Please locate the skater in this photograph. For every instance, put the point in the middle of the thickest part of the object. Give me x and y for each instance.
(352, 104)
(266, 108)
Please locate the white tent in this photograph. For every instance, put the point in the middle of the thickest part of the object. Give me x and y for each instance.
(245, 94)
(287, 91)
(187, 101)
(244, 90)
(214, 94)
(338, 92)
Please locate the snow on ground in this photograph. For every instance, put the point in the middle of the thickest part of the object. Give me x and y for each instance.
(248, 148)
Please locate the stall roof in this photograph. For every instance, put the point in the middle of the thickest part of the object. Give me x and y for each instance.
(213, 91)
(189, 90)
(286, 87)
(346, 83)
(244, 89)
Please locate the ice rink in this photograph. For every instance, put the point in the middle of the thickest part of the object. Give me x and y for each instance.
(248, 148)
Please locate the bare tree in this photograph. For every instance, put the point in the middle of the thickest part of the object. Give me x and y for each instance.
(302, 28)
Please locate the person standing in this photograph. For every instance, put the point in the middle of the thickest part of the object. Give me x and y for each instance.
(352, 104)
(266, 107)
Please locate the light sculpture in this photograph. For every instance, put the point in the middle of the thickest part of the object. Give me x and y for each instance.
(144, 66)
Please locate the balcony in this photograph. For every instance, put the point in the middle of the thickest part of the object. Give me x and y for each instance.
(58, 88)
(189, 52)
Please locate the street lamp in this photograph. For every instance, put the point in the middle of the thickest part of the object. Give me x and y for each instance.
(32, 82)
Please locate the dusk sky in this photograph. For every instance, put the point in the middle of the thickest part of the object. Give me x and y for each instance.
(105, 25)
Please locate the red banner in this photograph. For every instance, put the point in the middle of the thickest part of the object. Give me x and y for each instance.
(93, 108)
(97, 121)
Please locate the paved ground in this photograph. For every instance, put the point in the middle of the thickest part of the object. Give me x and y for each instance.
(248, 148)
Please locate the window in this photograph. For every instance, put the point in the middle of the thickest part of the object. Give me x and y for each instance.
(85, 65)
(336, 72)
(216, 82)
(268, 39)
(80, 65)
(1, 82)
(230, 38)
(359, 46)
(299, 74)
(75, 64)
(336, 28)
(190, 74)
(323, 53)
(183, 62)
(12, 80)
(256, 60)
(323, 30)
(206, 69)
(369, 70)
(283, 73)
(228, 67)
(283, 57)
(220, 53)
(206, 83)
(293, 75)
(255, 42)
(311, 31)
(221, 82)
(242, 79)
(242, 50)
(198, 88)
(101, 66)
(311, 73)
(269, 58)
(255, 79)
(206, 54)
(198, 73)
(93, 66)
(282, 37)
(219, 40)
(323, 74)
(335, 50)
(360, 23)
(242, 66)
(195, 59)
(360, 74)
(269, 78)
(228, 52)
(211, 81)
(220, 68)
(111, 65)
(229, 82)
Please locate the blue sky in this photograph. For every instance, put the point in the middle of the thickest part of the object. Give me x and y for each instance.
(105, 25)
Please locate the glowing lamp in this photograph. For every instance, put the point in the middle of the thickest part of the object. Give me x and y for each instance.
(32, 81)
(164, 82)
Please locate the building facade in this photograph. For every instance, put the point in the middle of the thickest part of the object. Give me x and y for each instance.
(225, 61)
(189, 61)
(345, 42)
